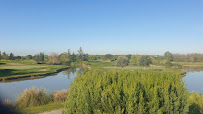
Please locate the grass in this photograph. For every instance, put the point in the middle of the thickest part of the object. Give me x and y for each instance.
(42, 108)
(11, 68)
(189, 63)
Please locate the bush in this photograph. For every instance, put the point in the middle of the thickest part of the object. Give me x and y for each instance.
(59, 96)
(103, 91)
(196, 103)
(32, 97)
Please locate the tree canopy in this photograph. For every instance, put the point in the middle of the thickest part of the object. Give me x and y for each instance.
(122, 61)
(145, 60)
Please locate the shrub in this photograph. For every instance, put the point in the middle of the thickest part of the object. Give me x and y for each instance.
(59, 96)
(32, 97)
(103, 91)
(196, 103)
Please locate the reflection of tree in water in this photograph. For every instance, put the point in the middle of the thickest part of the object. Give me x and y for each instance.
(69, 71)
(193, 69)
(73, 70)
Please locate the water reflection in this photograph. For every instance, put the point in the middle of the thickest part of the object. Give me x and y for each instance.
(194, 79)
(62, 80)
(193, 69)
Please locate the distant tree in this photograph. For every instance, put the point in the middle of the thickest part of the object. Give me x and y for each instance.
(122, 61)
(39, 58)
(0, 55)
(92, 57)
(129, 56)
(54, 59)
(5, 56)
(80, 54)
(108, 57)
(145, 60)
(73, 57)
(168, 56)
(28, 57)
(11, 57)
(134, 59)
(18, 57)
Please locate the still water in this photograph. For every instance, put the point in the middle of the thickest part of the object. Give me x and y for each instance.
(62, 80)
(194, 79)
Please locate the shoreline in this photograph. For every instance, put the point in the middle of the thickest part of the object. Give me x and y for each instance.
(35, 75)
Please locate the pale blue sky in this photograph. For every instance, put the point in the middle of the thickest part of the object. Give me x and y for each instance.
(101, 26)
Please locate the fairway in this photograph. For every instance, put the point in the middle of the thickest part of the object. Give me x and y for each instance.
(25, 68)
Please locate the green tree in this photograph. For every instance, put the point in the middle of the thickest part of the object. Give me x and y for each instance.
(73, 57)
(134, 59)
(168, 56)
(5, 56)
(39, 58)
(0, 55)
(129, 56)
(108, 57)
(145, 60)
(11, 57)
(122, 61)
(28, 57)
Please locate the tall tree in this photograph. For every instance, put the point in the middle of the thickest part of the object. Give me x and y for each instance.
(73, 57)
(5, 56)
(11, 57)
(168, 56)
(81, 54)
(0, 55)
(122, 61)
(145, 60)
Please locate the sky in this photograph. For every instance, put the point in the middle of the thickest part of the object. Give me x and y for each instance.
(101, 26)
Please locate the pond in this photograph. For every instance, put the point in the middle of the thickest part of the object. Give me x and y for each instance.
(60, 81)
(194, 79)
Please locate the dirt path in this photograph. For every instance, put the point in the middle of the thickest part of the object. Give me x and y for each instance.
(57, 111)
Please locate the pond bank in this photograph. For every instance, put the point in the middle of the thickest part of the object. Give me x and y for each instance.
(32, 76)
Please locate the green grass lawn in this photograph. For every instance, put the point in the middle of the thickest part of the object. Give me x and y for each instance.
(43, 108)
(11, 68)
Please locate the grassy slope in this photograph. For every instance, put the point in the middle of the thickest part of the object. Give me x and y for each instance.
(10, 68)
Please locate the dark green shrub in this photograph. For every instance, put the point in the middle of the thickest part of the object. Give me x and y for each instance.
(150, 92)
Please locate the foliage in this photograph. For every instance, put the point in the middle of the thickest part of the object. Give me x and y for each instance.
(168, 56)
(134, 59)
(108, 57)
(0, 55)
(196, 103)
(39, 58)
(32, 97)
(5, 56)
(129, 56)
(59, 96)
(193, 57)
(11, 57)
(138, 91)
(122, 61)
(92, 57)
(28, 57)
(145, 60)
(54, 59)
